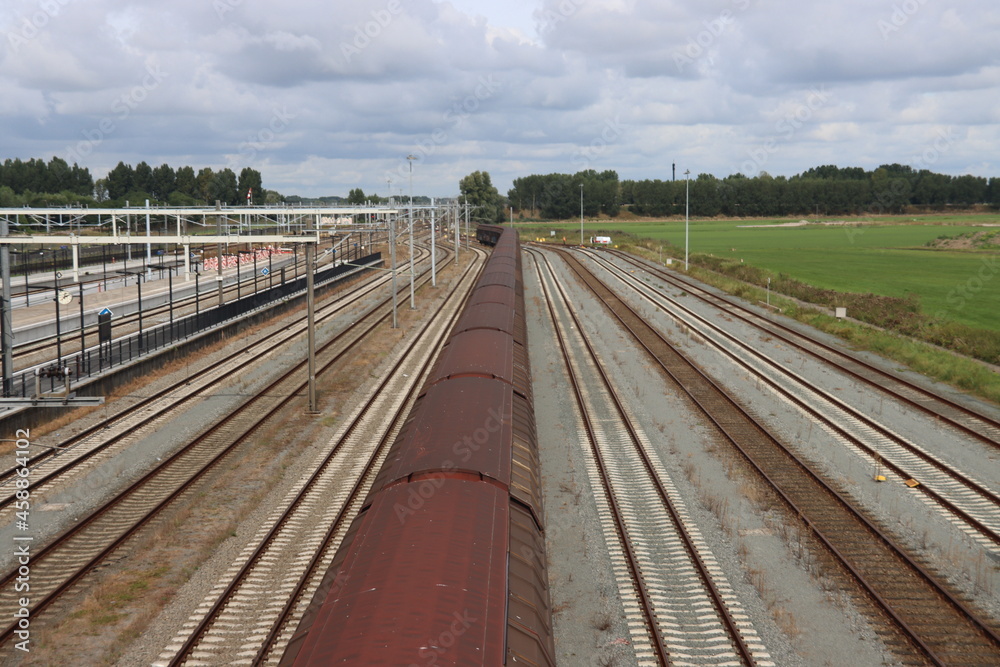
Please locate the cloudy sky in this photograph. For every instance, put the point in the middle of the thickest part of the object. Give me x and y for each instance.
(323, 97)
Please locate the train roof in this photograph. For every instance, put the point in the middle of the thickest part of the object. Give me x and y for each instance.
(420, 561)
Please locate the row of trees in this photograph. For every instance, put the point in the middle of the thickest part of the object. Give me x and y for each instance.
(357, 197)
(22, 182)
(37, 183)
(559, 195)
(183, 187)
(826, 190)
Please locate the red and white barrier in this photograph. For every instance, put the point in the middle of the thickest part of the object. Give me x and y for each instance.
(230, 261)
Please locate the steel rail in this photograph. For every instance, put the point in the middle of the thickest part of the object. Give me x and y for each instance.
(164, 468)
(829, 353)
(658, 641)
(727, 620)
(68, 444)
(719, 394)
(957, 476)
(225, 597)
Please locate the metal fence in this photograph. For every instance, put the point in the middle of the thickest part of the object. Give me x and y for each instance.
(123, 350)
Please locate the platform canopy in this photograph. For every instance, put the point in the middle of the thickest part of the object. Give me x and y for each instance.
(169, 224)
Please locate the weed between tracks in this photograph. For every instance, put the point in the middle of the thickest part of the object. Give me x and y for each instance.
(759, 571)
(602, 621)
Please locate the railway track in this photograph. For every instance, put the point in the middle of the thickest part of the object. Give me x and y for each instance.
(965, 500)
(103, 440)
(64, 562)
(970, 422)
(938, 628)
(682, 604)
(243, 618)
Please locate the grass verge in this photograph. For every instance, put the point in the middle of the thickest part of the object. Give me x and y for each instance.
(959, 371)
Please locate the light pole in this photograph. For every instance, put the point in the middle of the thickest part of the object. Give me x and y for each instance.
(687, 213)
(392, 260)
(581, 213)
(149, 246)
(413, 303)
(433, 247)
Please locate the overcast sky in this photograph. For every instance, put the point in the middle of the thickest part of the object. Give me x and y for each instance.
(323, 97)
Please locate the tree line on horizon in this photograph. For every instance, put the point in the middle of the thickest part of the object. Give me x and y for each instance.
(825, 190)
(36, 183)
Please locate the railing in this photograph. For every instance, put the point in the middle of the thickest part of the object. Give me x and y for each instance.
(123, 350)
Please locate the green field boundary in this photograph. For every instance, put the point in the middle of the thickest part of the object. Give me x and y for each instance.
(919, 342)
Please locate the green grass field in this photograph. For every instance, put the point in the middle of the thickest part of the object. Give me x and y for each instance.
(889, 257)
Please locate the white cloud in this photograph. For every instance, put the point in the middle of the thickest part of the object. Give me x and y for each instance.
(508, 87)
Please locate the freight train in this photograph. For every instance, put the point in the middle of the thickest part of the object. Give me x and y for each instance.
(445, 563)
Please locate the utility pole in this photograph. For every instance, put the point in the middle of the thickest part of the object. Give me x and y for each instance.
(219, 279)
(433, 252)
(458, 242)
(149, 246)
(687, 213)
(413, 303)
(392, 262)
(6, 321)
(311, 328)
